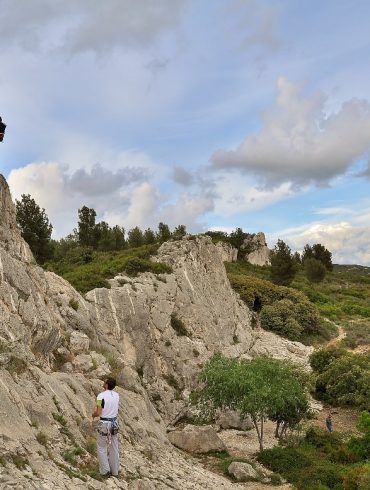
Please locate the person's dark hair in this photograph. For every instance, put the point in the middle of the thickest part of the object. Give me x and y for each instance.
(111, 383)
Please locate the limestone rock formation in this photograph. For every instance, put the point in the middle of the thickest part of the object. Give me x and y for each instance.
(198, 440)
(257, 251)
(242, 471)
(56, 346)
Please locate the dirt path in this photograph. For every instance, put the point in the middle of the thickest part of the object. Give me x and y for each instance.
(341, 334)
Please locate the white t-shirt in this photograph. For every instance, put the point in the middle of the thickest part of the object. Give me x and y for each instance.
(109, 401)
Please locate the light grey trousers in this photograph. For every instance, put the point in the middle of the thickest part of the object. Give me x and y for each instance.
(108, 454)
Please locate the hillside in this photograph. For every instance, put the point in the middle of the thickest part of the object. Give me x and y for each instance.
(154, 332)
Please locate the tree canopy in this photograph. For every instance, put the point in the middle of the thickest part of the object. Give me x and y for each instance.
(35, 227)
(262, 388)
(283, 264)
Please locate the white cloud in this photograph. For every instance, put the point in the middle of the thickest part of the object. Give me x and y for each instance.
(299, 143)
(62, 192)
(86, 25)
(235, 194)
(121, 196)
(348, 241)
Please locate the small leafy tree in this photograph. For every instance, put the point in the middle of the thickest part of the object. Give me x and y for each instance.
(263, 388)
(283, 265)
(315, 270)
(35, 227)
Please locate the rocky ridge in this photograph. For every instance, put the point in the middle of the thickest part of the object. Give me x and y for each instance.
(56, 345)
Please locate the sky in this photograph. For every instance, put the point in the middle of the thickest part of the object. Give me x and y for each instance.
(216, 115)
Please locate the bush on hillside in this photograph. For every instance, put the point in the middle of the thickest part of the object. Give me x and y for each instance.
(279, 318)
(134, 265)
(284, 310)
(320, 359)
(315, 270)
(345, 381)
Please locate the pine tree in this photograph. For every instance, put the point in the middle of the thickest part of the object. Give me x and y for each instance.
(283, 265)
(35, 227)
(86, 227)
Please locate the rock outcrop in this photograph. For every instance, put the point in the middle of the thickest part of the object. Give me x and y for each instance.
(257, 251)
(56, 345)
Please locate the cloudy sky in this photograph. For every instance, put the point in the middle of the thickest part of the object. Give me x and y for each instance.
(250, 113)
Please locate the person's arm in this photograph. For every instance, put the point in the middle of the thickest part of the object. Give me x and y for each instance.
(98, 409)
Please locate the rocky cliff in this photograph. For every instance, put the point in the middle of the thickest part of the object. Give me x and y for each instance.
(55, 347)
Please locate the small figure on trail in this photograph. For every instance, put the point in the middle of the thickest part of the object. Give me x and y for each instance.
(329, 422)
(2, 130)
(107, 403)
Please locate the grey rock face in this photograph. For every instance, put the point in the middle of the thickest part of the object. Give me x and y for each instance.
(260, 253)
(54, 357)
(197, 440)
(230, 419)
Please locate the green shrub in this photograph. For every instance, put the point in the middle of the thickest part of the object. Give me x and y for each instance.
(346, 381)
(283, 460)
(321, 359)
(73, 303)
(42, 438)
(315, 270)
(20, 461)
(284, 310)
(134, 265)
(278, 318)
(178, 326)
(357, 478)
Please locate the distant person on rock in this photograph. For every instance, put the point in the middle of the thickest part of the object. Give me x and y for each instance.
(107, 404)
(329, 422)
(2, 130)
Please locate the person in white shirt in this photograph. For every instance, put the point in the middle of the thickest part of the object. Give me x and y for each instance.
(107, 404)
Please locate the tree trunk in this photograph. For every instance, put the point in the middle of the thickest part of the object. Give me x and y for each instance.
(259, 432)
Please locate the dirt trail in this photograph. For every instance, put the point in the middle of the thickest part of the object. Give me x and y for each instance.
(341, 334)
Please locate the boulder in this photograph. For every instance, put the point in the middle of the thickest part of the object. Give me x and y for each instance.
(230, 419)
(242, 471)
(199, 440)
(257, 251)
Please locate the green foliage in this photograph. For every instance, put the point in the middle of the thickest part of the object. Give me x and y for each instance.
(283, 310)
(42, 438)
(280, 318)
(320, 359)
(73, 303)
(86, 226)
(358, 478)
(135, 265)
(283, 265)
(20, 461)
(360, 446)
(149, 237)
(178, 326)
(343, 377)
(35, 227)
(322, 460)
(135, 238)
(318, 252)
(315, 270)
(262, 388)
(164, 233)
(93, 274)
(179, 232)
